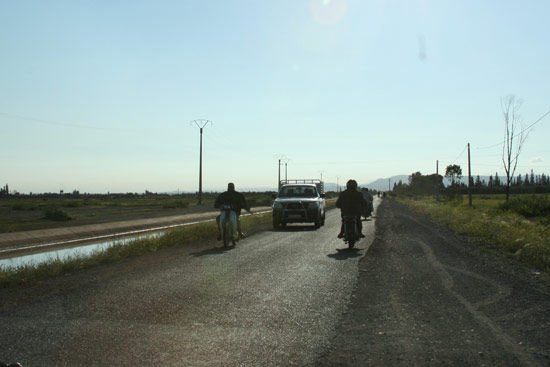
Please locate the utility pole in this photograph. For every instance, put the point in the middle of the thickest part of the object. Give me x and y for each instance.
(279, 181)
(469, 178)
(280, 157)
(437, 176)
(201, 124)
(285, 161)
(286, 177)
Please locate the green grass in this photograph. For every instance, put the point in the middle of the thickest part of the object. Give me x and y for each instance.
(495, 226)
(29, 274)
(531, 206)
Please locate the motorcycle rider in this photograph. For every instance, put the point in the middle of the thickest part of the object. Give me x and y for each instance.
(369, 199)
(237, 202)
(351, 202)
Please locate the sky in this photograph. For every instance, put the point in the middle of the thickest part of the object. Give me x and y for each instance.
(108, 95)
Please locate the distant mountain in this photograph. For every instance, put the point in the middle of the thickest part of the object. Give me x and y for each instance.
(380, 185)
(386, 184)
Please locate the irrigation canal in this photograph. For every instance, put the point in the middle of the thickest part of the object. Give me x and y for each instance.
(33, 255)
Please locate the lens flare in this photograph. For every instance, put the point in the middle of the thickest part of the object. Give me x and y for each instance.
(328, 12)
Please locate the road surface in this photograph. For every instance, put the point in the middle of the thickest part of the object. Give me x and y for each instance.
(276, 299)
(413, 294)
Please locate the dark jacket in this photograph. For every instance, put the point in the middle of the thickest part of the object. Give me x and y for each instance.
(351, 202)
(233, 198)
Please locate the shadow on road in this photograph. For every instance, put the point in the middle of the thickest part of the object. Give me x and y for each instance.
(212, 251)
(294, 228)
(345, 253)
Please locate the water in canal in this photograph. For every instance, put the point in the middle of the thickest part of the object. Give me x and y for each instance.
(80, 251)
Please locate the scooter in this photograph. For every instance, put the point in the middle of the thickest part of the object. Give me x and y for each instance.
(351, 232)
(228, 225)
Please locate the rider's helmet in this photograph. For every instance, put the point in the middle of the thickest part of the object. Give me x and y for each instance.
(351, 185)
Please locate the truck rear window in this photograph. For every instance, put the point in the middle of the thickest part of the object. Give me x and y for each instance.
(298, 191)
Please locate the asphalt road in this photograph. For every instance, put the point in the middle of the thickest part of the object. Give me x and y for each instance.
(276, 299)
(414, 294)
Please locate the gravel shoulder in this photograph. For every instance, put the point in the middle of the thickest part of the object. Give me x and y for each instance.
(426, 296)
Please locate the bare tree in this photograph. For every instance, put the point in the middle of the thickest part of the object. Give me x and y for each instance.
(513, 139)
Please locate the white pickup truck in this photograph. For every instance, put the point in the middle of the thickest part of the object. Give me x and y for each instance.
(299, 201)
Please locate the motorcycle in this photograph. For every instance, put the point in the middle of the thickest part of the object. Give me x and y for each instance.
(367, 211)
(351, 231)
(228, 225)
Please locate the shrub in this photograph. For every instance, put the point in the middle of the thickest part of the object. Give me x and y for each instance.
(56, 215)
(176, 204)
(266, 200)
(529, 207)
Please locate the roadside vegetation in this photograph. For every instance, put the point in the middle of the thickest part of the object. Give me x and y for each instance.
(204, 232)
(511, 219)
(518, 227)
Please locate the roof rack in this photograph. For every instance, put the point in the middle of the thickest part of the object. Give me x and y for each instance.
(319, 183)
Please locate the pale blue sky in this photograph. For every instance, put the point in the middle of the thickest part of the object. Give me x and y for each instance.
(99, 95)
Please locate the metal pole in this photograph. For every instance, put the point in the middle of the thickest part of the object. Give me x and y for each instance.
(200, 172)
(469, 178)
(281, 158)
(279, 181)
(201, 124)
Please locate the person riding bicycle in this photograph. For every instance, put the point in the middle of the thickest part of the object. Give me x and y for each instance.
(237, 202)
(351, 202)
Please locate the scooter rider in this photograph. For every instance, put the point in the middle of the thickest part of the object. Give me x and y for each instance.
(237, 202)
(351, 202)
(369, 199)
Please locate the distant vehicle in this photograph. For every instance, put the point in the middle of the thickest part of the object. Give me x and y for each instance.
(299, 201)
(367, 211)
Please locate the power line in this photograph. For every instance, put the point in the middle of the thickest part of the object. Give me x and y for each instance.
(61, 124)
(456, 159)
(521, 132)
